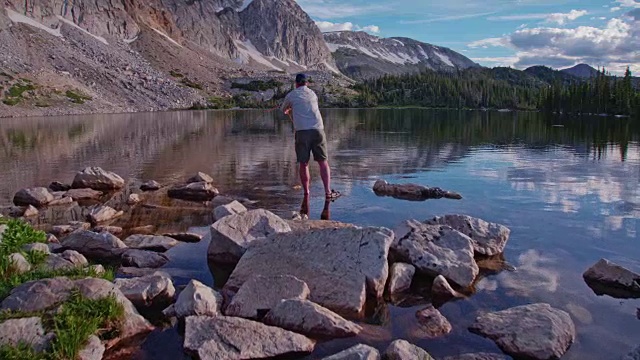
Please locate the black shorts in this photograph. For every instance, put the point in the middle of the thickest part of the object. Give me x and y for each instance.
(311, 141)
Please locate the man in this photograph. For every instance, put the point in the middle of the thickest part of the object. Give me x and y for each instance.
(302, 105)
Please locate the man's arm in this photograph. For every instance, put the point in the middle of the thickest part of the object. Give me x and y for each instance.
(286, 105)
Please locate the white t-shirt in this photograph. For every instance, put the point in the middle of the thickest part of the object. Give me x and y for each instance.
(304, 103)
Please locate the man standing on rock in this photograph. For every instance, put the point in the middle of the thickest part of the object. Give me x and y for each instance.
(302, 105)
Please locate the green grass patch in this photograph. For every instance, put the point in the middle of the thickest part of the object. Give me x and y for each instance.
(18, 234)
(17, 90)
(176, 74)
(11, 101)
(257, 85)
(77, 97)
(191, 84)
(21, 352)
(221, 103)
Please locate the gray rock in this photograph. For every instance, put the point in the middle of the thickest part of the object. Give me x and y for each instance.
(74, 257)
(143, 230)
(52, 239)
(28, 331)
(61, 201)
(358, 352)
(97, 269)
(135, 272)
(197, 299)
(231, 235)
(236, 338)
(403, 350)
(84, 194)
(37, 197)
(200, 177)
(133, 199)
(150, 242)
(200, 191)
(231, 208)
(58, 186)
(436, 250)
(606, 277)
(60, 230)
(55, 248)
(185, 237)
(151, 185)
(432, 323)
(262, 293)
(3, 228)
(400, 278)
(115, 230)
(31, 211)
(487, 238)
(18, 263)
(93, 350)
(442, 291)
(143, 258)
(97, 179)
(93, 245)
(55, 262)
(103, 213)
(148, 290)
(305, 317)
(339, 265)
(535, 331)
(41, 247)
(478, 356)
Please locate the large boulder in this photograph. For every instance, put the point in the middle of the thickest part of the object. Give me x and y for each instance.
(143, 258)
(156, 289)
(150, 242)
(103, 213)
(93, 245)
(535, 331)
(37, 197)
(232, 235)
(199, 191)
(400, 278)
(305, 317)
(25, 331)
(432, 323)
(228, 338)
(404, 350)
(436, 250)
(358, 352)
(262, 293)
(339, 265)
(197, 299)
(606, 277)
(231, 208)
(487, 238)
(83, 194)
(97, 179)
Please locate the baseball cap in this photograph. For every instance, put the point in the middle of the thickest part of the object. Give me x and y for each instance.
(301, 78)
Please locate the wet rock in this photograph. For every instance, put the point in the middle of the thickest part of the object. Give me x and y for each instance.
(30, 211)
(74, 257)
(535, 331)
(236, 338)
(262, 293)
(114, 230)
(200, 191)
(436, 250)
(197, 299)
(432, 323)
(93, 245)
(55, 262)
(307, 225)
(412, 192)
(185, 237)
(143, 258)
(27, 331)
(487, 238)
(150, 186)
(18, 263)
(37, 197)
(231, 235)
(58, 186)
(156, 289)
(221, 200)
(403, 350)
(143, 230)
(84, 194)
(338, 265)
(400, 278)
(133, 199)
(103, 213)
(97, 179)
(150, 242)
(93, 350)
(358, 352)
(478, 356)
(307, 318)
(441, 290)
(231, 208)
(200, 177)
(608, 278)
(42, 247)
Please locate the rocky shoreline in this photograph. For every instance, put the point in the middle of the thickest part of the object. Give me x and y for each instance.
(294, 283)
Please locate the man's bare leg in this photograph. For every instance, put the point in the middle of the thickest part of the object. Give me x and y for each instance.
(305, 177)
(325, 174)
(304, 208)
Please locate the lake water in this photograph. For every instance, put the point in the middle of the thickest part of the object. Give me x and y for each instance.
(567, 188)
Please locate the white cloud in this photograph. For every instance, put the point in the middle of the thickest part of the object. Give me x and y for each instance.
(629, 3)
(446, 18)
(327, 26)
(617, 8)
(371, 28)
(558, 18)
(507, 61)
(495, 42)
(336, 9)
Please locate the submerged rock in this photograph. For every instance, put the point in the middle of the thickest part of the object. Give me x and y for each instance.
(358, 352)
(143, 258)
(26, 331)
(231, 235)
(535, 331)
(228, 338)
(103, 213)
(37, 197)
(432, 322)
(608, 278)
(185, 237)
(150, 242)
(404, 350)
(400, 278)
(487, 238)
(97, 179)
(84, 194)
(200, 191)
(148, 290)
(197, 299)
(151, 185)
(441, 291)
(478, 356)
(231, 208)
(412, 192)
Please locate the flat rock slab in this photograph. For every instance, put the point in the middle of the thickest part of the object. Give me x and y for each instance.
(432, 323)
(84, 194)
(487, 238)
(199, 191)
(148, 290)
(143, 258)
(400, 278)
(37, 197)
(232, 235)
(358, 352)
(404, 350)
(103, 213)
(608, 278)
(228, 338)
(185, 237)
(535, 331)
(234, 207)
(197, 299)
(436, 250)
(93, 245)
(150, 242)
(28, 331)
(305, 317)
(97, 179)
(263, 293)
(339, 265)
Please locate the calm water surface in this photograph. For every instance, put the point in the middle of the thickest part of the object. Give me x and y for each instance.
(569, 193)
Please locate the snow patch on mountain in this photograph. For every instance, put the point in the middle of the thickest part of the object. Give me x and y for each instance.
(71, 23)
(445, 59)
(167, 37)
(249, 52)
(19, 18)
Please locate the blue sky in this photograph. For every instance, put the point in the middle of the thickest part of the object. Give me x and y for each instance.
(517, 33)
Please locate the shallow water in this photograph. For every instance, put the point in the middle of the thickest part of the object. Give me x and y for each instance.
(569, 194)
